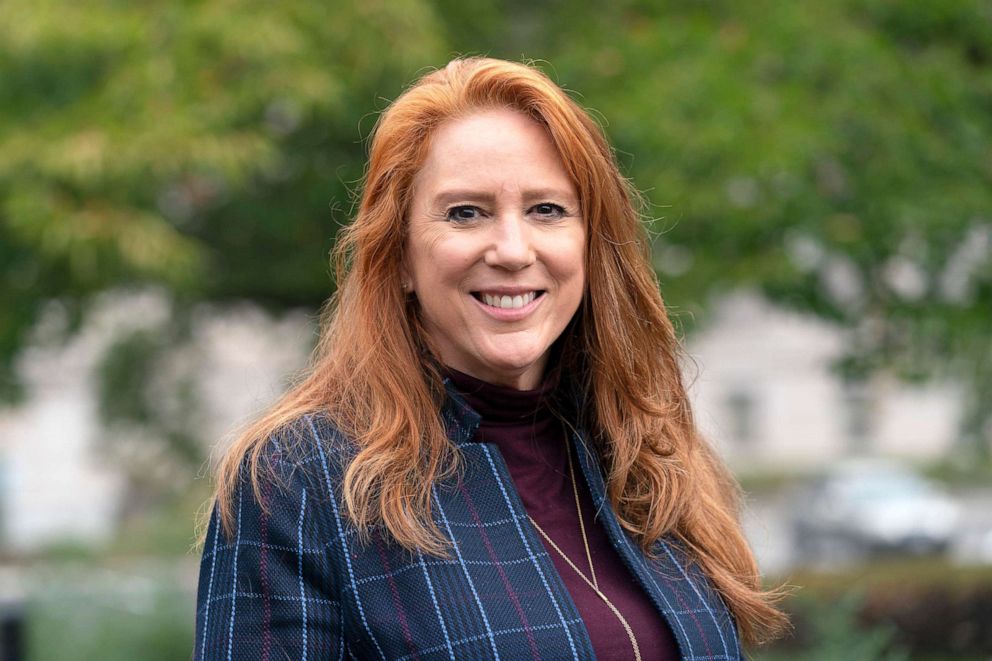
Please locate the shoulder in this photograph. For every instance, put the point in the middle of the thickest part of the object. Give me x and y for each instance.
(308, 452)
(304, 457)
(310, 438)
(275, 571)
(291, 479)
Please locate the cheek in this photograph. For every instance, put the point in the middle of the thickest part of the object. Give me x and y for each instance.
(421, 251)
(448, 260)
(440, 268)
(572, 265)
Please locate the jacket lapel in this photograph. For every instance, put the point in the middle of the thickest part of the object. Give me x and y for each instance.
(518, 593)
(678, 589)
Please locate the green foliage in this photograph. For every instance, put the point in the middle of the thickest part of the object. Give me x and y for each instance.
(197, 145)
(929, 608)
(835, 634)
(832, 153)
(127, 395)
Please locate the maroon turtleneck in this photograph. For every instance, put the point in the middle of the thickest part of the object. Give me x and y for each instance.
(533, 443)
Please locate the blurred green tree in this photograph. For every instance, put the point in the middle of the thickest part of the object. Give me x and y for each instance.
(198, 145)
(835, 154)
(210, 148)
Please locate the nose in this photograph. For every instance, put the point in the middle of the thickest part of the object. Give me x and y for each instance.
(511, 246)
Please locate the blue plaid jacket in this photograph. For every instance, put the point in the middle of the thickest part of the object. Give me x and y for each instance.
(294, 582)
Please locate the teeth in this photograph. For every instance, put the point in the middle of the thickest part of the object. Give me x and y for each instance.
(509, 302)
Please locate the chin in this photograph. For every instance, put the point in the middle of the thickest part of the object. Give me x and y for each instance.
(514, 368)
(511, 361)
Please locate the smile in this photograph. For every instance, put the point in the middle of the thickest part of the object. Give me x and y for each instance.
(506, 301)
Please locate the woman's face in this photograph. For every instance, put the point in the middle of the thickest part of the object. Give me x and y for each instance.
(496, 247)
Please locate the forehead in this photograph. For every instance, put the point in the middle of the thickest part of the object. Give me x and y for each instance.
(492, 151)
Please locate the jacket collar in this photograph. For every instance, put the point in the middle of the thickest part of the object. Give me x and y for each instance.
(460, 419)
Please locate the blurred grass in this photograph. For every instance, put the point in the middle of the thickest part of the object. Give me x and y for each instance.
(133, 599)
(959, 471)
(893, 573)
(956, 471)
(139, 619)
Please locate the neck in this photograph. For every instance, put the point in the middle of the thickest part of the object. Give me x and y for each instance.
(502, 404)
(530, 378)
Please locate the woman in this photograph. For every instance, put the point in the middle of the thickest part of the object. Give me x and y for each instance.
(492, 454)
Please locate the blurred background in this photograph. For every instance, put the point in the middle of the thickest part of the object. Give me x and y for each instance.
(819, 187)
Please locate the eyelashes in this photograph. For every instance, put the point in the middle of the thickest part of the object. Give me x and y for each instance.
(550, 209)
(464, 213)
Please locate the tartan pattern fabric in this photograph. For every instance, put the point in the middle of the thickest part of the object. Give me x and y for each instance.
(295, 582)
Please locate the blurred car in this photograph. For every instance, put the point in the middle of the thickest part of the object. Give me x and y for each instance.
(862, 508)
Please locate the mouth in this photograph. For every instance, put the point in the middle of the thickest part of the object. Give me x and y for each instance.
(507, 301)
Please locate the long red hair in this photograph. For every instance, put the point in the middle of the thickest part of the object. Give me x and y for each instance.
(372, 370)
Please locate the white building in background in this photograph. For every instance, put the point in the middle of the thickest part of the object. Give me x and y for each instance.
(763, 392)
(55, 483)
(53, 486)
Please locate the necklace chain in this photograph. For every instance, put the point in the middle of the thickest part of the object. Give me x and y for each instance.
(592, 583)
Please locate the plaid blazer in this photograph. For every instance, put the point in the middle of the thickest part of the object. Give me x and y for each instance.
(294, 581)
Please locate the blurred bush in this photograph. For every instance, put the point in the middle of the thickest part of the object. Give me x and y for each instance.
(920, 609)
(831, 631)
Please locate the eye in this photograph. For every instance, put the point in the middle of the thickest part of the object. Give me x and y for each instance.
(548, 210)
(463, 213)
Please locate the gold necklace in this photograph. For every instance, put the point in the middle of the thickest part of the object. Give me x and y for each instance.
(592, 583)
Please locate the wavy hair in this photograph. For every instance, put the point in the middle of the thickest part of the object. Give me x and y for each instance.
(373, 371)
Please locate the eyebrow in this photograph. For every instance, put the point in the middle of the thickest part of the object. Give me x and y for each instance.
(446, 197)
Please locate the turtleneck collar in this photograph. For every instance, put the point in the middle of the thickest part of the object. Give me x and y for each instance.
(504, 405)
